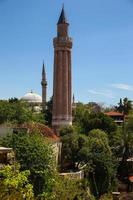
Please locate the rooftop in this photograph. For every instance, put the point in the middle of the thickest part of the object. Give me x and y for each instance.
(42, 129)
(114, 113)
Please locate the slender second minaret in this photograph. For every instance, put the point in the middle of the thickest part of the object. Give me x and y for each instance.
(44, 88)
(62, 104)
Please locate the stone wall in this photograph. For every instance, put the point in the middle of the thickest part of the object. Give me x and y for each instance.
(4, 130)
(74, 175)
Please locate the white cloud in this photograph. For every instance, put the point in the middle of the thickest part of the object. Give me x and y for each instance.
(122, 86)
(105, 93)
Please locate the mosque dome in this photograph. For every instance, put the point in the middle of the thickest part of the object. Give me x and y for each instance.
(32, 97)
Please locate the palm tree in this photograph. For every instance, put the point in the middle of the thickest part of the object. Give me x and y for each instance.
(124, 106)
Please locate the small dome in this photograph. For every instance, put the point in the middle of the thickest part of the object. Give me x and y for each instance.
(32, 97)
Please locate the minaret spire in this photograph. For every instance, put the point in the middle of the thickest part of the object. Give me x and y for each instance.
(73, 99)
(62, 18)
(43, 68)
(44, 87)
(44, 73)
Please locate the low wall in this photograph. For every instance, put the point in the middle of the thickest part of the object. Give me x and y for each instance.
(73, 175)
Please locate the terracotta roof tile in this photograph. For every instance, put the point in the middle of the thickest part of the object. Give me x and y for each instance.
(114, 113)
(42, 129)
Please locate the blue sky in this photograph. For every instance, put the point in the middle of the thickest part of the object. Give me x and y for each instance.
(102, 57)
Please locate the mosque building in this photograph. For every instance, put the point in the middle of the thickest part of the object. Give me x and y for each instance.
(62, 86)
(35, 101)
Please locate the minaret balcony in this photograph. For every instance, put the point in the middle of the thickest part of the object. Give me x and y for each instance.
(63, 42)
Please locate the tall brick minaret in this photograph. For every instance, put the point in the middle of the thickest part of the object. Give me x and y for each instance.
(62, 105)
(44, 88)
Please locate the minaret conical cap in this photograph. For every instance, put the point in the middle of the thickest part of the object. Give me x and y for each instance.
(43, 68)
(62, 18)
(43, 73)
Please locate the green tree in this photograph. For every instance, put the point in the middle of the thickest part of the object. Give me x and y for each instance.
(124, 106)
(120, 106)
(93, 151)
(12, 100)
(94, 107)
(73, 148)
(72, 189)
(34, 154)
(106, 197)
(125, 149)
(102, 167)
(48, 112)
(14, 184)
(39, 118)
(127, 106)
(67, 130)
(87, 120)
(14, 111)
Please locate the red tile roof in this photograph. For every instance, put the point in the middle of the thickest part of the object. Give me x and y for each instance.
(42, 129)
(114, 113)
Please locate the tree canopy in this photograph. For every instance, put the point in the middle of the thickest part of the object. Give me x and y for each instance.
(14, 184)
(34, 154)
(124, 106)
(93, 152)
(16, 111)
(86, 120)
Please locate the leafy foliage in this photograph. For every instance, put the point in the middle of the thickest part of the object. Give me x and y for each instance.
(34, 154)
(92, 151)
(48, 112)
(124, 106)
(103, 169)
(66, 188)
(14, 184)
(87, 120)
(106, 197)
(73, 148)
(126, 150)
(14, 112)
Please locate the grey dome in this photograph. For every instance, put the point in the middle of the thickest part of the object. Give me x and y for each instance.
(32, 97)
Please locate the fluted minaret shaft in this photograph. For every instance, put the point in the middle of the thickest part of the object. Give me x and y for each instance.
(62, 105)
